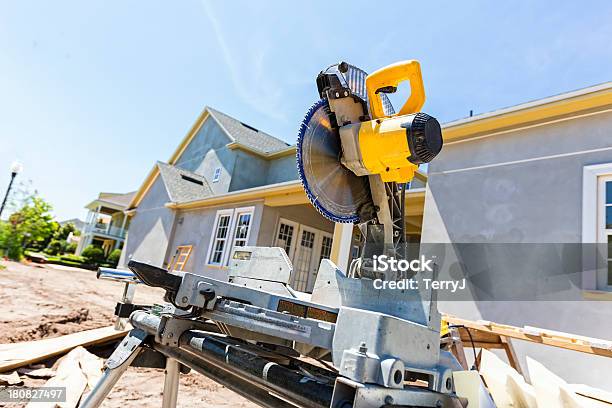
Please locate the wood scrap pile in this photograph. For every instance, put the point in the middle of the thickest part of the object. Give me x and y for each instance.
(77, 372)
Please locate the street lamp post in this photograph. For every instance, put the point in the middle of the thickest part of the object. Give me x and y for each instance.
(16, 167)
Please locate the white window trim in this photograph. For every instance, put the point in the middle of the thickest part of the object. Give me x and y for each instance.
(216, 175)
(230, 240)
(591, 218)
(234, 221)
(213, 235)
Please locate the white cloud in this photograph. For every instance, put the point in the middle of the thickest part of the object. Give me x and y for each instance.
(253, 83)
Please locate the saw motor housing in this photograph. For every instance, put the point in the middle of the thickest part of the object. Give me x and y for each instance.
(378, 143)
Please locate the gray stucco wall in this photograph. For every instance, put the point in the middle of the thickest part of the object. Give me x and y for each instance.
(525, 187)
(206, 152)
(195, 228)
(239, 169)
(249, 171)
(150, 227)
(282, 169)
(303, 214)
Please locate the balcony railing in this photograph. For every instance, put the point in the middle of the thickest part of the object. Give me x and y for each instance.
(105, 229)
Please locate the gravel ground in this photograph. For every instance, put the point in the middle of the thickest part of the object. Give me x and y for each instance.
(49, 301)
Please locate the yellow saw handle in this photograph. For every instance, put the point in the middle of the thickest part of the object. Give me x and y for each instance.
(391, 76)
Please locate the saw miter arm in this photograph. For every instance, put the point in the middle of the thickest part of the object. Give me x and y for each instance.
(349, 343)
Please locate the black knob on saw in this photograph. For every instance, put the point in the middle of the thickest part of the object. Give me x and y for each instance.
(424, 137)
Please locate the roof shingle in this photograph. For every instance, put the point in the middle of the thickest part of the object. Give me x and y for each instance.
(183, 185)
(247, 135)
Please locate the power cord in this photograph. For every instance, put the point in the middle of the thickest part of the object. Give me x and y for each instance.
(460, 326)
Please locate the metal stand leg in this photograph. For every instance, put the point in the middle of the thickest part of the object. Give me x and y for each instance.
(127, 298)
(116, 365)
(171, 383)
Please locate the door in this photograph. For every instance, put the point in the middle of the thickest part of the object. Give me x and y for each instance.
(303, 261)
(286, 236)
(312, 246)
(324, 245)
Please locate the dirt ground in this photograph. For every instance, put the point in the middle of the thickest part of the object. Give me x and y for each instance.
(49, 301)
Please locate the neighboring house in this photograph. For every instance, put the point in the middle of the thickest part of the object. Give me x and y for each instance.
(74, 238)
(538, 173)
(79, 225)
(107, 224)
(226, 185)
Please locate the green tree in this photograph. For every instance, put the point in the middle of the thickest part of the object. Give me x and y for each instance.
(93, 255)
(113, 257)
(58, 245)
(63, 231)
(70, 248)
(31, 226)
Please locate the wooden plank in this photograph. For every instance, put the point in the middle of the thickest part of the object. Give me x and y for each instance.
(567, 341)
(511, 354)
(457, 348)
(15, 355)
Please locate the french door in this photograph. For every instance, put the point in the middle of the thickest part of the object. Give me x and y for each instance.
(306, 247)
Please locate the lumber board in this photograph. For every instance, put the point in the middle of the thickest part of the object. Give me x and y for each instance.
(567, 341)
(16, 355)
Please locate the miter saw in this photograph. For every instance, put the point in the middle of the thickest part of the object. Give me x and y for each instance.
(355, 155)
(348, 344)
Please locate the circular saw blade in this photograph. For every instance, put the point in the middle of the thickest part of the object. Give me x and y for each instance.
(336, 192)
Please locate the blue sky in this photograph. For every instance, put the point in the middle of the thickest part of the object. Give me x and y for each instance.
(93, 93)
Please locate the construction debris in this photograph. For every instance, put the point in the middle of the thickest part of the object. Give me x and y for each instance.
(16, 355)
(39, 372)
(76, 370)
(10, 379)
(510, 390)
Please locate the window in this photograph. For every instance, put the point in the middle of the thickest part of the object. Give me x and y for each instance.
(597, 226)
(241, 228)
(232, 228)
(216, 175)
(219, 238)
(326, 245)
(607, 212)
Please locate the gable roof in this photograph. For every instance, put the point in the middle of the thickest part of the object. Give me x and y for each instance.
(241, 136)
(117, 201)
(183, 185)
(250, 137)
